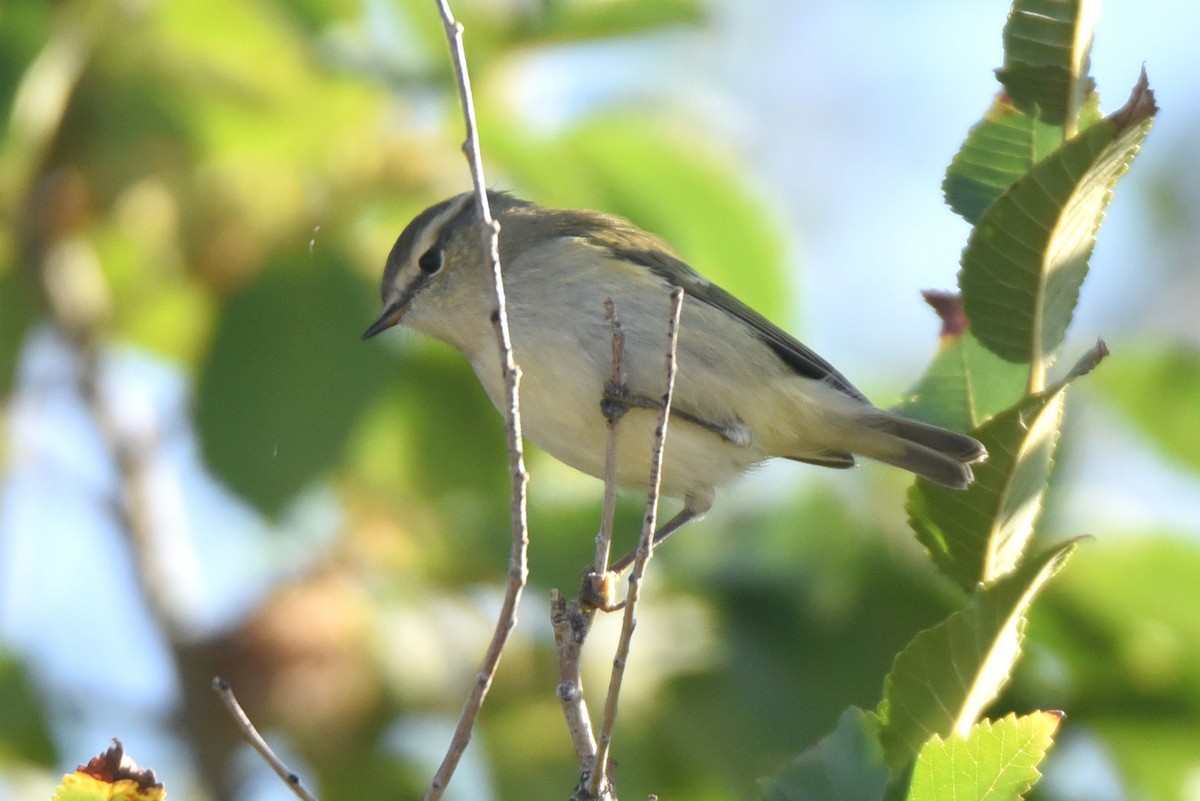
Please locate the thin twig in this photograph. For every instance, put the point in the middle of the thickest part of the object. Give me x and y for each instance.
(571, 620)
(612, 419)
(600, 785)
(518, 567)
(246, 727)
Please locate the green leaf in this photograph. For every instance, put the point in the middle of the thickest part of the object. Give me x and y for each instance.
(285, 379)
(978, 534)
(995, 761)
(1156, 391)
(964, 385)
(1001, 148)
(1027, 256)
(998, 150)
(847, 764)
(941, 682)
(1047, 47)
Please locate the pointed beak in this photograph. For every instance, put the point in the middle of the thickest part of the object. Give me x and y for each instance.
(391, 315)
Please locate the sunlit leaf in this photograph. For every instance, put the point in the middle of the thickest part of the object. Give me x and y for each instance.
(847, 764)
(978, 534)
(943, 679)
(1028, 254)
(994, 761)
(1047, 49)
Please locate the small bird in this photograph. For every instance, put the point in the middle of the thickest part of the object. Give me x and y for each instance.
(745, 390)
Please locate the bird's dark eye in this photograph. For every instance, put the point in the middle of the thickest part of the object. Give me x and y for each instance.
(430, 261)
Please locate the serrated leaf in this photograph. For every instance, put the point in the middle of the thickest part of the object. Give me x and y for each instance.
(994, 761)
(1028, 254)
(975, 535)
(847, 765)
(943, 679)
(978, 534)
(1001, 148)
(1047, 47)
(998, 150)
(285, 379)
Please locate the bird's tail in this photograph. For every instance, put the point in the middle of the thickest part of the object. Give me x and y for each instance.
(936, 454)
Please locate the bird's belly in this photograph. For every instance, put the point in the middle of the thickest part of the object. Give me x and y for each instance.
(572, 428)
(563, 380)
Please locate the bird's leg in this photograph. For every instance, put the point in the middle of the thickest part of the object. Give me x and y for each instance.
(686, 514)
(617, 400)
(600, 591)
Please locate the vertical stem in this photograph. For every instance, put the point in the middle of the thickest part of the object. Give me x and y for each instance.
(600, 786)
(609, 510)
(518, 565)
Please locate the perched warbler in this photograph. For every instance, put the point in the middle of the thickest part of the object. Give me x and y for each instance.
(745, 390)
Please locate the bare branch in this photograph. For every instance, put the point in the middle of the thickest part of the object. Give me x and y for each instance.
(518, 568)
(572, 620)
(571, 624)
(600, 785)
(248, 730)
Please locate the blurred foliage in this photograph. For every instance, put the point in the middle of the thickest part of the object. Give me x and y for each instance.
(219, 181)
(1155, 390)
(24, 731)
(269, 422)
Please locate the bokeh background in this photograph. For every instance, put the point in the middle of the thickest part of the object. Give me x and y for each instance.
(204, 470)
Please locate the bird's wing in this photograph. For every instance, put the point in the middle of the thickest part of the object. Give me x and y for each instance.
(628, 242)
